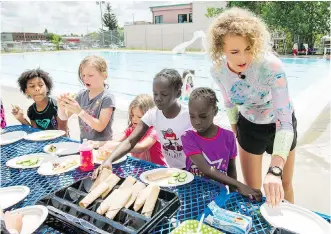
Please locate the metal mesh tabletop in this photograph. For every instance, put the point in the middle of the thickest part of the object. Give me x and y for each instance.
(194, 197)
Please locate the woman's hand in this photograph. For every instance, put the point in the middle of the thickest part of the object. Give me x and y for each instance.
(13, 221)
(273, 188)
(249, 192)
(71, 104)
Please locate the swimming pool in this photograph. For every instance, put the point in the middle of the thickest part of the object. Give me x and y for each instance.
(131, 73)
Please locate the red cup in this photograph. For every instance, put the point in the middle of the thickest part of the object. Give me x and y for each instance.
(86, 158)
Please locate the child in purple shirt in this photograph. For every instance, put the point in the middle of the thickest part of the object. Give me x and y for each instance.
(221, 149)
(211, 150)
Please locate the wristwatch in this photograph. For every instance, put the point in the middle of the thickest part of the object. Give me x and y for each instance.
(276, 171)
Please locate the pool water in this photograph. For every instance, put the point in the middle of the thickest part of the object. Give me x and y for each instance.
(131, 73)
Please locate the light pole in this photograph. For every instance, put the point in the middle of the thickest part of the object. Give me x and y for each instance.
(103, 37)
(23, 33)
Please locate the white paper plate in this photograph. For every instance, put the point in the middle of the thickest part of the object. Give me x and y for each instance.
(63, 148)
(33, 217)
(45, 135)
(164, 182)
(47, 167)
(11, 137)
(10, 196)
(99, 161)
(42, 158)
(295, 218)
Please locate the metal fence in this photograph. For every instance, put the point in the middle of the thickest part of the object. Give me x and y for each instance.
(101, 40)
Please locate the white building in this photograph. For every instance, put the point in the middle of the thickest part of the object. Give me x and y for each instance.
(165, 35)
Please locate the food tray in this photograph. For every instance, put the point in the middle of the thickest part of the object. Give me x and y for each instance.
(66, 216)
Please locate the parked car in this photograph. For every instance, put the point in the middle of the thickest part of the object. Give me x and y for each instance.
(33, 48)
(66, 47)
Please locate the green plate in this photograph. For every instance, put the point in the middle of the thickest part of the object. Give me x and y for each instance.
(191, 226)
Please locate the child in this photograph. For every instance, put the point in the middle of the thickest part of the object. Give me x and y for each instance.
(43, 113)
(254, 87)
(94, 105)
(149, 147)
(188, 84)
(211, 150)
(169, 118)
(2, 116)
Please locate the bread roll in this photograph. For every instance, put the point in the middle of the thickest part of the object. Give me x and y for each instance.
(128, 182)
(93, 195)
(103, 176)
(136, 188)
(141, 198)
(151, 201)
(159, 175)
(111, 181)
(119, 201)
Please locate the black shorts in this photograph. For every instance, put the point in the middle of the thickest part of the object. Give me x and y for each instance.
(259, 138)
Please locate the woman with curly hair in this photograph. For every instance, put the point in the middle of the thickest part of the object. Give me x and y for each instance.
(253, 83)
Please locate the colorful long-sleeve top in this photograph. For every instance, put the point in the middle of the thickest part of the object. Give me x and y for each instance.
(262, 97)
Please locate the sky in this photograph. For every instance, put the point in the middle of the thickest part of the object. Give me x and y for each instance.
(65, 17)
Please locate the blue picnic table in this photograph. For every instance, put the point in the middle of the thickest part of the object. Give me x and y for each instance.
(194, 197)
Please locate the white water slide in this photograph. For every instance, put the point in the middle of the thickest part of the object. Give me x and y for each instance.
(180, 49)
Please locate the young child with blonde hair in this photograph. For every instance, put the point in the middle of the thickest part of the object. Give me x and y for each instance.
(94, 105)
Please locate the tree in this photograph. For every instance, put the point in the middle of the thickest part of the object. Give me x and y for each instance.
(302, 18)
(109, 18)
(49, 36)
(46, 31)
(257, 7)
(213, 12)
(305, 19)
(56, 40)
(93, 36)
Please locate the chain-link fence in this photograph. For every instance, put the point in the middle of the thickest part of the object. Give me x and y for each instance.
(105, 39)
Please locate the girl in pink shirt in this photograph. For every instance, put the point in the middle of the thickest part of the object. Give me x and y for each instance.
(149, 147)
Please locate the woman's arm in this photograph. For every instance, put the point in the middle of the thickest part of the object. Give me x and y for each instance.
(283, 112)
